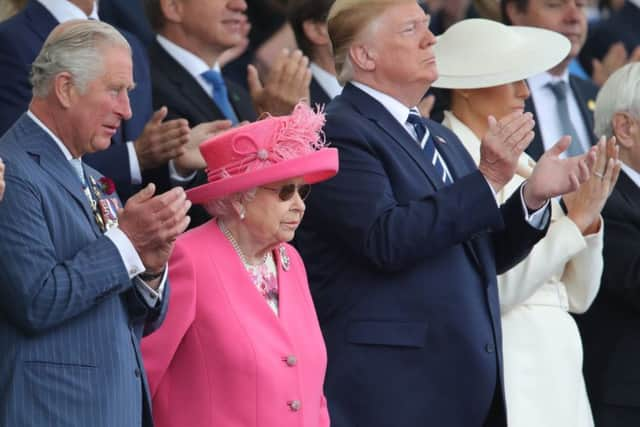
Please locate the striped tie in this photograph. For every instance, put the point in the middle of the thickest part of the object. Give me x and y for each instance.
(429, 146)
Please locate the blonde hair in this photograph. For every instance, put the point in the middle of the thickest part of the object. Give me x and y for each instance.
(346, 21)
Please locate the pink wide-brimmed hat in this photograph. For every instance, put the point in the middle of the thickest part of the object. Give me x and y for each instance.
(269, 150)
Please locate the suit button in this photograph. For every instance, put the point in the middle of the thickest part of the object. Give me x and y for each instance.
(489, 348)
(294, 405)
(137, 372)
(291, 360)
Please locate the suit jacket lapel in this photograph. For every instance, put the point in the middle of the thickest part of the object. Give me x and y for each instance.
(184, 82)
(584, 104)
(40, 19)
(40, 146)
(240, 101)
(447, 151)
(375, 112)
(536, 147)
(629, 191)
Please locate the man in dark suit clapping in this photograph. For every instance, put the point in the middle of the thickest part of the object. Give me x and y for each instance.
(403, 245)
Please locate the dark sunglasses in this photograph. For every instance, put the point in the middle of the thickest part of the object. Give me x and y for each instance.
(287, 191)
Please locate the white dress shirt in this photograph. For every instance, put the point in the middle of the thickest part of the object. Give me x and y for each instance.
(63, 11)
(327, 81)
(546, 111)
(130, 257)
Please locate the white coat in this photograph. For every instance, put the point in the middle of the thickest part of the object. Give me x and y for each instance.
(542, 349)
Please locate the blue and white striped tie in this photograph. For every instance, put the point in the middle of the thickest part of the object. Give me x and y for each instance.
(429, 148)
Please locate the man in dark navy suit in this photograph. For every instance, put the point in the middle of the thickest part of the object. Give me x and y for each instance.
(143, 145)
(80, 285)
(402, 247)
(610, 329)
(562, 103)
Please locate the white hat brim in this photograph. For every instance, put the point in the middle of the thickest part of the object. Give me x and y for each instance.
(478, 53)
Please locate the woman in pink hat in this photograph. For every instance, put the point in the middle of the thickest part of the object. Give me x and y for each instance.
(241, 345)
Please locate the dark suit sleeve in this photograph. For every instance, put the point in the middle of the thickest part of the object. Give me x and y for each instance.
(15, 89)
(366, 215)
(38, 290)
(621, 276)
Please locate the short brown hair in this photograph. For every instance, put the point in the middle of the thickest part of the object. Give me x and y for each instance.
(521, 5)
(299, 11)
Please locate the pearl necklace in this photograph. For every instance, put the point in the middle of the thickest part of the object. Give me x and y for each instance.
(236, 247)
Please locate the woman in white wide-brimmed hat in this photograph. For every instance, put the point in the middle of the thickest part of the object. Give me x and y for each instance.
(484, 63)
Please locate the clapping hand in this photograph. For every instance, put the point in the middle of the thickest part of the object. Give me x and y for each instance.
(287, 83)
(502, 145)
(554, 176)
(152, 223)
(192, 160)
(585, 204)
(161, 141)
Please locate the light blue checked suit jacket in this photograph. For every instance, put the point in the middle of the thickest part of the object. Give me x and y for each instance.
(70, 318)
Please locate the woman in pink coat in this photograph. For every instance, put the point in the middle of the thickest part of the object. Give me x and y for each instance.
(241, 345)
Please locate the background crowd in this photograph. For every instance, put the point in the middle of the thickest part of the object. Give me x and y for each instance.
(468, 255)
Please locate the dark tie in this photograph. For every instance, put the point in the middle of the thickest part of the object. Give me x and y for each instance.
(429, 148)
(559, 90)
(220, 95)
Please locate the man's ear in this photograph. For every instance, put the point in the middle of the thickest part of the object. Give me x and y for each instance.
(64, 89)
(514, 14)
(624, 128)
(363, 57)
(172, 10)
(316, 32)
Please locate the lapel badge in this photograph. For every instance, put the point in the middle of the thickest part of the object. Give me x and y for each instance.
(440, 139)
(284, 258)
(591, 105)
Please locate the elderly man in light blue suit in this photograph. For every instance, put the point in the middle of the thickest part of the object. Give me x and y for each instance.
(80, 279)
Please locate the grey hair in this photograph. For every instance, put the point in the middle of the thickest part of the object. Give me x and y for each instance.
(223, 208)
(77, 49)
(620, 93)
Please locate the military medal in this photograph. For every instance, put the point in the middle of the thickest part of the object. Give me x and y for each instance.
(105, 209)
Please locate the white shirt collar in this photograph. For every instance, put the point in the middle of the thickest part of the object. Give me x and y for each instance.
(63, 148)
(631, 173)
(326, 80)
(191, 62)
(64, 10)
(396, 108)
(541, 80)
(636, 3)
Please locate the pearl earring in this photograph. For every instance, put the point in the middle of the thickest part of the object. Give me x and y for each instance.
(242, 213)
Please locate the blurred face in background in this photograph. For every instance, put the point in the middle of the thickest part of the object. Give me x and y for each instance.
(566, 17)
(473, 106)
(213, 22)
